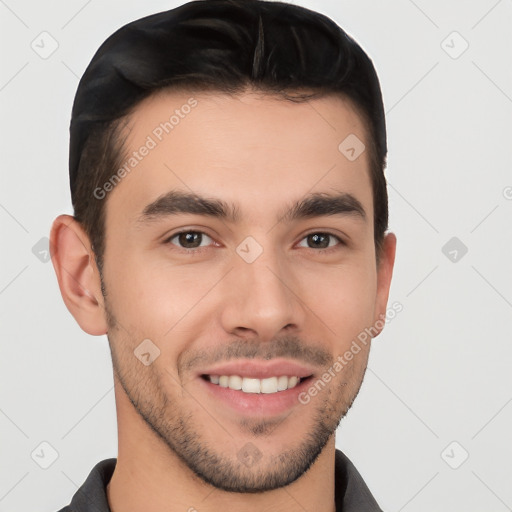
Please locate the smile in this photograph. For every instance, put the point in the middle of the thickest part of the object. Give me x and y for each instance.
(250, 385)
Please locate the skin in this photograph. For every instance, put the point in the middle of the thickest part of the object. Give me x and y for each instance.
(262, 153)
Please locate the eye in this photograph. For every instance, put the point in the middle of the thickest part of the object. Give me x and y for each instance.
(322, 241)
(189, 239)
(193, 241)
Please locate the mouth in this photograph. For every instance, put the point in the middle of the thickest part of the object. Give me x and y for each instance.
(268, 385)
(256, 388)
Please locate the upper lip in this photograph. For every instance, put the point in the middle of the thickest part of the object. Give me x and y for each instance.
(259, 369)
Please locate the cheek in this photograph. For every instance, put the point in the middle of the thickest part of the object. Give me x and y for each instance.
(156, 299)
(343, 298)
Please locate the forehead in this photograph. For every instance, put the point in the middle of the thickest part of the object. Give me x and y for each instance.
(253, 150)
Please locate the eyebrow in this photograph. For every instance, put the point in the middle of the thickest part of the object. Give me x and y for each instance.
(176, 202)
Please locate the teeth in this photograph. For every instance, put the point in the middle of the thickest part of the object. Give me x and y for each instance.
(235, 382)
(249, 385)
(282, 383)
(269, 385)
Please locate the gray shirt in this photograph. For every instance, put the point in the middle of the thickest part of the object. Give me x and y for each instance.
(351, 492)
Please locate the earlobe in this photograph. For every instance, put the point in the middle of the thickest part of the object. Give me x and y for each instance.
(77, 274)
(384, 275)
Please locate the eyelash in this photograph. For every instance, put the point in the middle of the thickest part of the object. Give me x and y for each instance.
(198, 250)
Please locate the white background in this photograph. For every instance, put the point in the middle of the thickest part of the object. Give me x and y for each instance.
(440, 372)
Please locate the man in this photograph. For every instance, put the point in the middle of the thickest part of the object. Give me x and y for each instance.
(229, 237)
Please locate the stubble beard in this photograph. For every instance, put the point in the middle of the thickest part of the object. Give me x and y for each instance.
(181, 433)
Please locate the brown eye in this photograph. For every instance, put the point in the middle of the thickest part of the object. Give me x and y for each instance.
(318, 241)
(322, 241)
(188, 239)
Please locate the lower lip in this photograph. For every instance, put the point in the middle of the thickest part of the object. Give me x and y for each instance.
(257, 404)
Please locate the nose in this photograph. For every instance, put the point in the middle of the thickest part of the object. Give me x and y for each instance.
(261, 299)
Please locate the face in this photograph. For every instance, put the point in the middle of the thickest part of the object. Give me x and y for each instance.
(240, 254)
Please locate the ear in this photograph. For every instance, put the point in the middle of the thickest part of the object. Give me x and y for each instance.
(384, 274)
(77, 274)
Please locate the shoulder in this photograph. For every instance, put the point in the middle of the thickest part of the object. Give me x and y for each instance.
(92, 495)
(351, 492)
